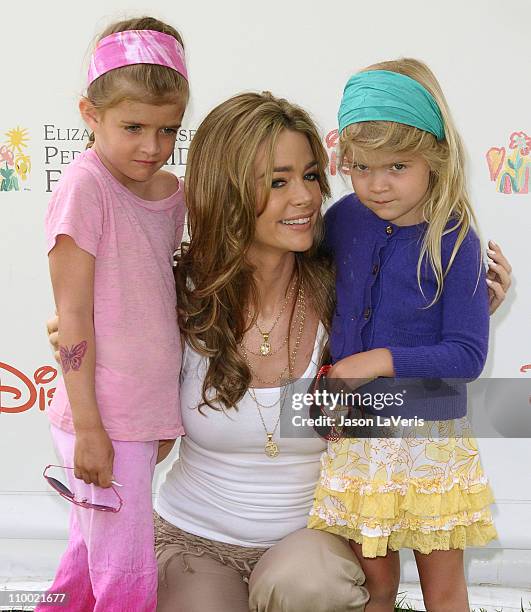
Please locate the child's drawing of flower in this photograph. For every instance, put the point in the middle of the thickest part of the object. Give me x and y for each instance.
(520, 140)
(23, 166)
(9, 181)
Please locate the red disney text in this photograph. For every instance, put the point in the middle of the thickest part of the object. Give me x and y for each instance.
(24, 392)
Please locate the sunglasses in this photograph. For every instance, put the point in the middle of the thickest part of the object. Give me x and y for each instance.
(65, 492)
(331, 433)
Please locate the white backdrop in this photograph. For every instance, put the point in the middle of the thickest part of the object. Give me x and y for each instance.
(303, 51)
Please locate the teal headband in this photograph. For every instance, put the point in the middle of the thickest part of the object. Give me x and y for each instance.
(381, 95)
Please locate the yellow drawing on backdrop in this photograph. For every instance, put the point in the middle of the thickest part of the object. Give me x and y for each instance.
(14, 163)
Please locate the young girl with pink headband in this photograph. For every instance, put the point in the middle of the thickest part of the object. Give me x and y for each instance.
(113, 224)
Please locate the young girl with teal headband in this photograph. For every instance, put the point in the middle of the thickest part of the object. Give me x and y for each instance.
(411, 303)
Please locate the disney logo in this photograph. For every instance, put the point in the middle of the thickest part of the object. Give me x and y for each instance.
(23, 387)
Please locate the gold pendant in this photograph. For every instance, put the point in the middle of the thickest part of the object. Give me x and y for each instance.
(271, 448)
(265, 347)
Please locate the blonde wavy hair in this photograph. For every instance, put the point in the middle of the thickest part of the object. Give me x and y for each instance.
(147, 83)
(447, 197)
(215, 281)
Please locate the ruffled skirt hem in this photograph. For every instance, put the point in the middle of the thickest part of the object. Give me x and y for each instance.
(459, 537)
(403, 515)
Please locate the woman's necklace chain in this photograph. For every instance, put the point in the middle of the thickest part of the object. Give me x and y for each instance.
(266, 351)
(271, 448)
(265, 346)
(301, 315)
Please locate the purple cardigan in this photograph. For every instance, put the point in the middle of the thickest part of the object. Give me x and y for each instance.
(380, 305)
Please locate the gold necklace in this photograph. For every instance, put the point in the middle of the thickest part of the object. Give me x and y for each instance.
(291, 358)
(271, 448)
(259, 353)
(262, 351)
(265, 346)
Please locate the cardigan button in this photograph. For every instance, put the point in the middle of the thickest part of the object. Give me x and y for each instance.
(367, 313)
(375, 269)
(389, 230)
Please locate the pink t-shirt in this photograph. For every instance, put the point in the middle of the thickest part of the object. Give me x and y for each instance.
(138, 347)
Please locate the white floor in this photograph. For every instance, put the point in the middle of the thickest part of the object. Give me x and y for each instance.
(485, 598)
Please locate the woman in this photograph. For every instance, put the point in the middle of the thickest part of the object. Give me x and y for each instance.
(255, 302)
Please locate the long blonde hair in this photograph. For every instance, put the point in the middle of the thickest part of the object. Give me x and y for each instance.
(214, 280)
(149, 83)
(447, 198)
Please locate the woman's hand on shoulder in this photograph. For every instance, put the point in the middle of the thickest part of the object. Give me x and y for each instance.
(52, 329)
(498, 276)
(167, 184)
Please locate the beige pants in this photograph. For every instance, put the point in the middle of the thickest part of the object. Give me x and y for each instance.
(308, 571)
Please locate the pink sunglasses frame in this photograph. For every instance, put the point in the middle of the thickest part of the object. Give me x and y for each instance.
(83, 503)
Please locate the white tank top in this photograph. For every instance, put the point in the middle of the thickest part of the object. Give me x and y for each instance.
(223, 486)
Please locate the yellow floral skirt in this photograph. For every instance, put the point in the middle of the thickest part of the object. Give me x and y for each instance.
(426, 491)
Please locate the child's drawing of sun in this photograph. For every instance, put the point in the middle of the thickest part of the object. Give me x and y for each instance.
(17, 138)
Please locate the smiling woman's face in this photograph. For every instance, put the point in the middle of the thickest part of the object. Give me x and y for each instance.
(287, 222)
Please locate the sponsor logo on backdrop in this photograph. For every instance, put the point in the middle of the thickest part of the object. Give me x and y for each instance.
(63, 144)
(331, 142)
(509, 167)
(15, 163)
(20, 392)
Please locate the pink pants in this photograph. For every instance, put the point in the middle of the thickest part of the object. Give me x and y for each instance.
(109, 564)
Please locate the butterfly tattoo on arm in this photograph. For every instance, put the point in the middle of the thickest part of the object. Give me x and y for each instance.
(71, 358)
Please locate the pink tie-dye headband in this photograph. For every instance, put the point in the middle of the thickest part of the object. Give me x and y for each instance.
(136, 47)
